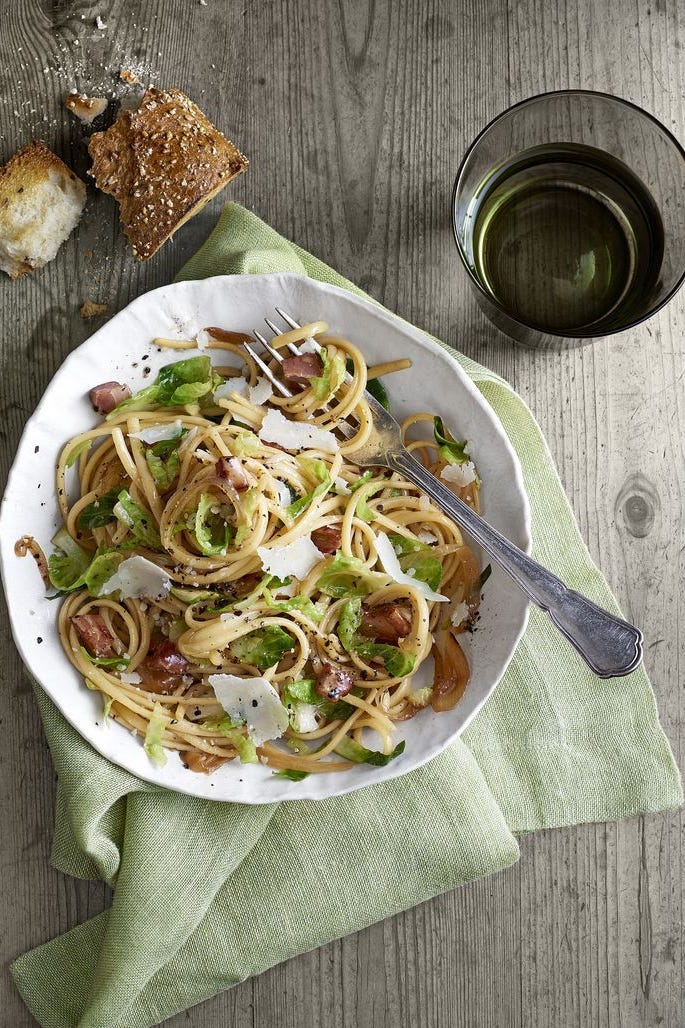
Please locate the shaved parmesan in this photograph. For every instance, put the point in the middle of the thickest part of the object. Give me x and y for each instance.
(232, 385)
(254, 702)
(285, 590)
(284, 495)
(294, 559)
(459, 474)
(130, 677)
(308, 346)
(261, 392)
(202, 339)
(295, 435)
(341, 485)
(136, 577)
(424, 536)
(304, 717)
(391, 566)
(459, 614)
(158, 433)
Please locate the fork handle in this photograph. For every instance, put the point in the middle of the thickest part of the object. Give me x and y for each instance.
(609, 645)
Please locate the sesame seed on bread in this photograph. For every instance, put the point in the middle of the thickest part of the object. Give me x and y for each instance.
(41, 201)
(162, 163)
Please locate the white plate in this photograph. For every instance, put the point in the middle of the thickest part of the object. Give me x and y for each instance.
(435, 383)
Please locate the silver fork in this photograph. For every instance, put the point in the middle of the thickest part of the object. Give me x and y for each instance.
(610, 646)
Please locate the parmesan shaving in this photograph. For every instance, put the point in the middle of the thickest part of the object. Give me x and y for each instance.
(304, 717)
(285, 590)
(295, 435)
(130, 678)
(308, 346)
(460, 475)
(261, 392)
(254, 702)
(158, 433)
(294, 560)
(234, 385)
(427, 537)
(284, 494)
(391, 566)
(459, 614)
(137, 577)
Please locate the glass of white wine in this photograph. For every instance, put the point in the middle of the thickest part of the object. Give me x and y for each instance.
(569, 216)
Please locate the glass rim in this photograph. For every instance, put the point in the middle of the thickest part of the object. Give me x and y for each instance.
(490, 298)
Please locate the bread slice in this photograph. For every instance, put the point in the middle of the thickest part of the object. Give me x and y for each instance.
(41, 201)
(162, 163)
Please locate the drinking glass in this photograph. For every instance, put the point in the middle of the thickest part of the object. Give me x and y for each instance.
(569, 215)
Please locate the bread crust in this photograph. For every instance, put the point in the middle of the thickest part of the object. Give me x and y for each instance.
(28, 166)
(162, 163)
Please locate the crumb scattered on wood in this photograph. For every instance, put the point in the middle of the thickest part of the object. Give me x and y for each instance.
(128, 76)
(90, 309)
(87, 108)
(88, 253)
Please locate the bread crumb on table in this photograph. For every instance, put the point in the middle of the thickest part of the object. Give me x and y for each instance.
(87, 108)
(90, 309)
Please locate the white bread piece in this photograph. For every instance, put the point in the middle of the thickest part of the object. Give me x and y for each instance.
(41, 201)
(162, 163)
(86, 108)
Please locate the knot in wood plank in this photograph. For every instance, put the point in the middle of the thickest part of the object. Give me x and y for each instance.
(637, 505)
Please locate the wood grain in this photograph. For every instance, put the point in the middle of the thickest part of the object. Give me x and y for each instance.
(355, 116)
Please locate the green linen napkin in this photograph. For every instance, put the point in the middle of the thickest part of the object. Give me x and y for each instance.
(196, 898)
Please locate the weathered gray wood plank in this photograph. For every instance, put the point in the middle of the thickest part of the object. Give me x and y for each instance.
(355, 117)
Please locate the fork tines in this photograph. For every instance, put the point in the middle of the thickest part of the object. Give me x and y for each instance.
(349, 425)
(273, 352)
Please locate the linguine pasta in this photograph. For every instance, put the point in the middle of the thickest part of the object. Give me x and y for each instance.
(236, 588)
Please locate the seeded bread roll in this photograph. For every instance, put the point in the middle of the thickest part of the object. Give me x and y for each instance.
(41, 201)
(162, 163)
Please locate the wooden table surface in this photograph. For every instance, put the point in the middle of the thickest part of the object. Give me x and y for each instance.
(355, 117)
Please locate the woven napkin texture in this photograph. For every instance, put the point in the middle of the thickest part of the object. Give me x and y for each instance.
(207, 894)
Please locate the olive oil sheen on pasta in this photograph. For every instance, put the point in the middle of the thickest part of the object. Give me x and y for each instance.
(566, 239)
